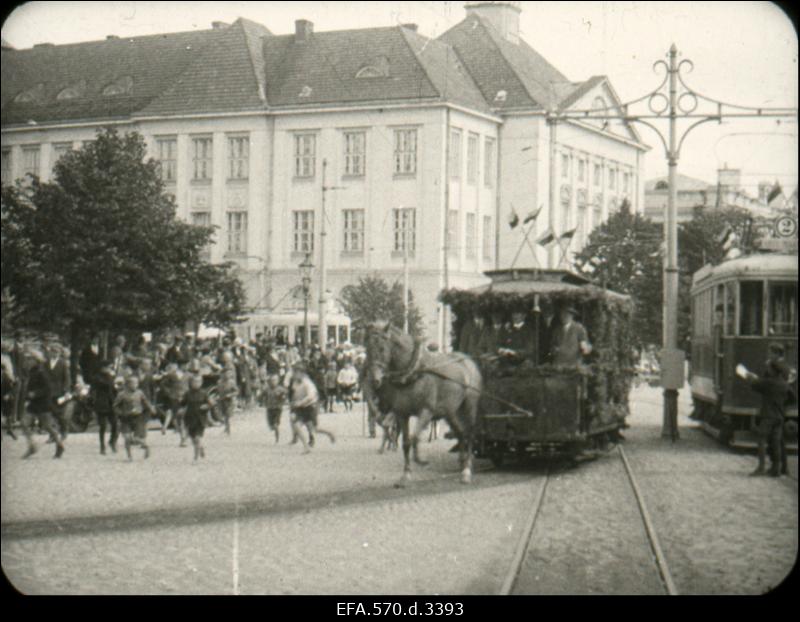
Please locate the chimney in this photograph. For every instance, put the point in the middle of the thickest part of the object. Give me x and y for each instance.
(504, 16)
(410, 26)
(302, 30)
(111, 37)
(729, 178)
(219, 25)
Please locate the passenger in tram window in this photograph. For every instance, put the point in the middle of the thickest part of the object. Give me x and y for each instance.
(469, 340)
(497, 332)
(520, 339)
(570, 342)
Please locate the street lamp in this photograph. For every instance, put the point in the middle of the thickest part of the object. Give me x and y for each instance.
(305, 270)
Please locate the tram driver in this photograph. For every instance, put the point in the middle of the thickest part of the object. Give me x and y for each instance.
(520, 341)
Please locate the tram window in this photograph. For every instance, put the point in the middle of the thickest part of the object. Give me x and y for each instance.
(783, 308)
(751, 308)
(730, 309)
(342, 334)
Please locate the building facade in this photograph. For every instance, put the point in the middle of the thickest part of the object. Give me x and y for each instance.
(418, 148)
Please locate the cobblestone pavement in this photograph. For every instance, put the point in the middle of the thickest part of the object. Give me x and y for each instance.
(260, 518)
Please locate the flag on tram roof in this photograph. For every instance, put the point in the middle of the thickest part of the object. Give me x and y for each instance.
(513, 218)
(533, 215)
(547, 238)
(568, 235)
(775, 192)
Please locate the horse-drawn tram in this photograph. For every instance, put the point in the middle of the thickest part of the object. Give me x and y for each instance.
(739, 307)
(540, 396)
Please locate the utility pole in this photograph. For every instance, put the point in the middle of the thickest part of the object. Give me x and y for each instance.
(323, 276)
(405, 277)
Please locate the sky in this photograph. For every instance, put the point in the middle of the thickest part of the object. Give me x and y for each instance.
(743, 53)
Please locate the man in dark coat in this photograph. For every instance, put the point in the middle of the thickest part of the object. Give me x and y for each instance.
(58, 373)
(520, 339)
(40, 406)
(775, 393)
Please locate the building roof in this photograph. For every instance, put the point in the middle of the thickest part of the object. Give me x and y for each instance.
(205, 70)
(685, 184)
(324, 69)
(496, 64)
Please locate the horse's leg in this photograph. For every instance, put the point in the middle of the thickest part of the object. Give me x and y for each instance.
(404, 423)
(424, 420)
(469, 417)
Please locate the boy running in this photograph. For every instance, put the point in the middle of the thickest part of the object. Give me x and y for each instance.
(227, 390)
(130, 405)
(195, 406)
(275, 398)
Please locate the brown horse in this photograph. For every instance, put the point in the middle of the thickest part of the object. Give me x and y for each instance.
(410, 381)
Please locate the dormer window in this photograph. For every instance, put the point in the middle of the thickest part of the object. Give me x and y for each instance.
(377, 68)
(500, 97)
(31, 95)
(72, 92)
(305, 91)
(122, 86)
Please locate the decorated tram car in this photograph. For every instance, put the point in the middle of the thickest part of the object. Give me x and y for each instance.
(739, 307)
(536, 408)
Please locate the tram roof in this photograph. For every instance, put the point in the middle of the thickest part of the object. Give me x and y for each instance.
(760, 265)
(535, 281)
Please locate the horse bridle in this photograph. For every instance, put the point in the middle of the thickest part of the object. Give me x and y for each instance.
(404, 376)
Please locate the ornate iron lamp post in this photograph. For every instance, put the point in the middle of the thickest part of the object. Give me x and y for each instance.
(305, 270)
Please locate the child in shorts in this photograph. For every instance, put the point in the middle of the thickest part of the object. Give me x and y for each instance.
(227, 390)
(130, 405)
(195, 405)
(275, 398)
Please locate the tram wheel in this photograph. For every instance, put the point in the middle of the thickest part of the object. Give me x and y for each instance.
(726, 430)
(498, 458)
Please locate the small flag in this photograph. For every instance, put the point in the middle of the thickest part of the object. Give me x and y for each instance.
(532, 215)
(725, 235)
(568, 235)
(513, 218)
(547, 238)
(775, 192)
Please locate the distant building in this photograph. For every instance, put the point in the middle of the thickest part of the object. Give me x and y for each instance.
(430, 144)
(692, 192)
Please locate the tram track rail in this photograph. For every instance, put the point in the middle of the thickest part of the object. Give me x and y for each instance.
(523, 546)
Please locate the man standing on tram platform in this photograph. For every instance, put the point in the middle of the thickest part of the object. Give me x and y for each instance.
(520, 339)
(569, 339)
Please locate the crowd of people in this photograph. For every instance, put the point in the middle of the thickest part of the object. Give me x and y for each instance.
(188, 384)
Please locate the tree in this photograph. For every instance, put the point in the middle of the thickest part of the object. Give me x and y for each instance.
(624, 254)
(100, 247)
(373, 299)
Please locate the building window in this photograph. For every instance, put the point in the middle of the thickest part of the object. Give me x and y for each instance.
(355, 153)
(455, 153)
(612, 179)
(583, 225)
(305, 146)
(203, 219)
(626, 180)
(237, 232)
(303, 230)
(202, 157)
(405, 229)
(597, 211)
(565, 165)
(612, 206)
(405, 152)
(581, 170)
(472, 159)
(167, 149)
(238, 157)
(30, 160)
(488, 162)
(566, 200)
(7, 164)
(598, 174)
(353, 230)
(452, 232)
(487, 238)
(471, 236)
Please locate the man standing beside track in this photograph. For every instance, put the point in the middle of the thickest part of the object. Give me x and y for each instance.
(775, 393)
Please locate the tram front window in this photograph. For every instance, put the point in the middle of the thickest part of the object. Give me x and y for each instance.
(783, 308)
(751, 308)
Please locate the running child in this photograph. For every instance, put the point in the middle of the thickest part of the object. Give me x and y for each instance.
(195, 406)
(227, 390)
(130, 406)
(275, 398)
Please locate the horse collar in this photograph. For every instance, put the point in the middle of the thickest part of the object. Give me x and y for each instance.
(407, 376)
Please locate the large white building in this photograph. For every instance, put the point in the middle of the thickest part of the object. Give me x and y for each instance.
(430, 143)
